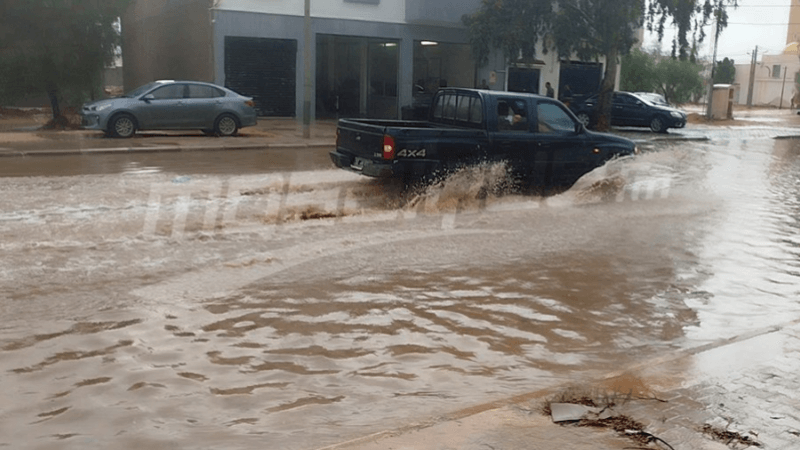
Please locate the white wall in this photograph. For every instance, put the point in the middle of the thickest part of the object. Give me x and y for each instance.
(391, 11)
(767, 90)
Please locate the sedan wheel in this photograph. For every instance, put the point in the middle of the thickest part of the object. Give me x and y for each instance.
(657, 125)
(226, 126)
(584, 119)
(122, 126)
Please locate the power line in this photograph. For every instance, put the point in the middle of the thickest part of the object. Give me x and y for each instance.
(764, 24)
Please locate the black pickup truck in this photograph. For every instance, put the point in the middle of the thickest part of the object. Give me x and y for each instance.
(540, 140)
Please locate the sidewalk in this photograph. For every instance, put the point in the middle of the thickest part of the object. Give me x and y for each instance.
(23, 136)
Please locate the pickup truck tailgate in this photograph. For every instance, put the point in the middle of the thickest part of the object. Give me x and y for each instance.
(356, 139)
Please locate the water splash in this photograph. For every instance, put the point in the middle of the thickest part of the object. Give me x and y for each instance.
(467, 188)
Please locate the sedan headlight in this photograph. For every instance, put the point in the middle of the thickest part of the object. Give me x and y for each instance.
(676, 114)
(101, 107)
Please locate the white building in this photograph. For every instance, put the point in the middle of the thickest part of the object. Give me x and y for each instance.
(373, 58)
(776, 77)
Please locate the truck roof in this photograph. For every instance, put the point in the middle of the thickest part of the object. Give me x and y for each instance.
(490, 93)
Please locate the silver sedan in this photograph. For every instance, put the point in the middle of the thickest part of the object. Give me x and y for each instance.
(171, 105)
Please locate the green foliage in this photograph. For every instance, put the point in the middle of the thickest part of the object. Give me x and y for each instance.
(56, 47)
(690, 17)
(679, 80)
(514, 26)
(725, 73)
(638, 72)
(589, 29)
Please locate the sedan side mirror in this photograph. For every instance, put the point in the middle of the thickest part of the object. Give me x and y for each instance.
(148, 97)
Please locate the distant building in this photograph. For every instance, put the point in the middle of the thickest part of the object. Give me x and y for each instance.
(777, 77)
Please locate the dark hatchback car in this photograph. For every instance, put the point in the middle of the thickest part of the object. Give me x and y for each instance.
(171, 105)
(632, 110)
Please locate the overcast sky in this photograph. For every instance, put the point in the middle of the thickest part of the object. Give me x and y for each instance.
(762, 23)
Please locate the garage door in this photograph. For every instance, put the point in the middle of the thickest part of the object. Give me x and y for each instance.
(265, 70)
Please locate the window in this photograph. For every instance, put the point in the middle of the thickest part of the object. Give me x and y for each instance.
(202, 91)
(476, 111)
(438, 109)
(168, 92)
(511, 115)
(553, 119)
(462, 112)
(469, 109)
(776, 71)
(449, 107)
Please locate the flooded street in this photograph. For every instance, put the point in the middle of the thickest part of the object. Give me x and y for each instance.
(267, 301)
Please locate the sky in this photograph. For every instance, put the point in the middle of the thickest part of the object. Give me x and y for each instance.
(762, 23)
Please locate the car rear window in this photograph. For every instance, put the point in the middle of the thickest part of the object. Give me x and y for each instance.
(203, 91)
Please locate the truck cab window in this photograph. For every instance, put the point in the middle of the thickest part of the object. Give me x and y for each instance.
(462, 114)
(449, 107)
(438, 108)
(476, 111)
(511, 115)
(552, 118)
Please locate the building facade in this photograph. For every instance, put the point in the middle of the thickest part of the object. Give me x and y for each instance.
(369, 58)
(775, 79)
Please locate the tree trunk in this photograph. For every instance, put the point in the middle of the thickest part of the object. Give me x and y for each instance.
(52, 94)
(58, 120)
(604, 100)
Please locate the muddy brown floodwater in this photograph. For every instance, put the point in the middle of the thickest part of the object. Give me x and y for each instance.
(204, 306)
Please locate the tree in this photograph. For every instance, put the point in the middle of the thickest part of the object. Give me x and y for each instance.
(638, 72)
(690, 17)
(56, 47)
(725, 72)
(589, 29)
(513, 26)
(679, 80)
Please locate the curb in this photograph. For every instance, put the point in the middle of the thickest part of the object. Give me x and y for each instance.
(5, 152)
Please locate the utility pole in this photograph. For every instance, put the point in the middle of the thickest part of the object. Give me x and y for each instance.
(709, 111)
(307, 71)
(783, 87)
(752, 78)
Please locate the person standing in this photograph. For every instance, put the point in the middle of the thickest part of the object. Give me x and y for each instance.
(550, 91)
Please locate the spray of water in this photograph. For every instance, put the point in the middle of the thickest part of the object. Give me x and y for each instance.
(467, 188)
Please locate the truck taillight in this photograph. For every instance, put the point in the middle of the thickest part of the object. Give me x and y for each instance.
(388, 147)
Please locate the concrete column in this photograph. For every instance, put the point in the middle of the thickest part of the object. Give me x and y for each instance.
(363, 81)
(405, 77)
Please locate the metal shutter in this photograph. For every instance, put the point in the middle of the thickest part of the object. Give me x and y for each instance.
(264, 69)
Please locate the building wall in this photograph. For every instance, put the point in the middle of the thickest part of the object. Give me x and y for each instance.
(769, 90)
(166, 39)
(185, 39)
(390, 11)
(237, 23)
(439, 12)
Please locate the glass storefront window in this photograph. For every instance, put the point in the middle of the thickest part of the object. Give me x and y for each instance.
(356, 77)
